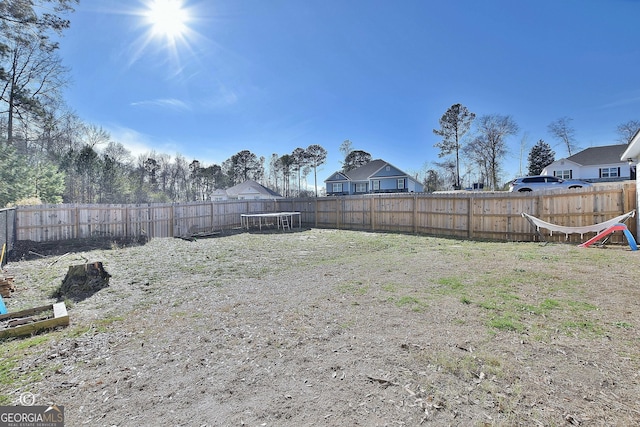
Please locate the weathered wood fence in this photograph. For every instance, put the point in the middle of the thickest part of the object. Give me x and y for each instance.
(7, 232)
(472, 215)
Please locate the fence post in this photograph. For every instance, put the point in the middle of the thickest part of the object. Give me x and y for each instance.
(316, 212)
(211, 216)
(77, 224)
(470, 217)
(373, 212)
(172, 214)
(415, 213)
(126, 222)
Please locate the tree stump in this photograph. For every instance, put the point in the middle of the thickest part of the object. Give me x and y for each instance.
(82, 281)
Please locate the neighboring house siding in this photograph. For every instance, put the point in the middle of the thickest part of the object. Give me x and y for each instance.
(592, 164)
(376, 176)
(388, 171)
(596, 171)
(338, 187)
(414, 187)
(337, 184)
(561, 167)
(589, 173)
(390, 184)
(360, 187)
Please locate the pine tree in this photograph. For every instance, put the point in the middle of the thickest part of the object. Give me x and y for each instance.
(454, 123)
(540, 156)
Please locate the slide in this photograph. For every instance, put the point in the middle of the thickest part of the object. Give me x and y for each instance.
(606, 232)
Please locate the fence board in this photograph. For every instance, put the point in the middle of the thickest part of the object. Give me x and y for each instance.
(478, 215)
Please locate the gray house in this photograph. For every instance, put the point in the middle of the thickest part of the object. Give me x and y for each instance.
(376, 176)
(595, 164)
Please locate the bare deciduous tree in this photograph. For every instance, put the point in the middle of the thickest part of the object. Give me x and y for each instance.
(562, 130)
(490, 146)
(628, 130)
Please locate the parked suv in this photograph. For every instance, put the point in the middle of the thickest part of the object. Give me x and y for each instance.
(544, 182)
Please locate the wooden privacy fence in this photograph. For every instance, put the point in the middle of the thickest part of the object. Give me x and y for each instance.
(75, 221)
(7, 232)
(472, 215)
(475, 215)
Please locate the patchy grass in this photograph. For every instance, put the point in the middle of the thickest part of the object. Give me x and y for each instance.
(353, 288)
(13, 351)
(376, 327)
(412, 302)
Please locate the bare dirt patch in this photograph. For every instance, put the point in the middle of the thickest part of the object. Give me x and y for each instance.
(325, 327)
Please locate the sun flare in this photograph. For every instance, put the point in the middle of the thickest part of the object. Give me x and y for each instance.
(167, 18)
(166, 29)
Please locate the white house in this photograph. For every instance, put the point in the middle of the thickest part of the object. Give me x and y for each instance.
(595, 164)
(248, 190)
(632, 155)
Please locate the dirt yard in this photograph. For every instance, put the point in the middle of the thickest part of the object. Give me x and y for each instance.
(336, 328)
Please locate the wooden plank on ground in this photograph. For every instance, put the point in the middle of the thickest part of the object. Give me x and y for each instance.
(60, 318)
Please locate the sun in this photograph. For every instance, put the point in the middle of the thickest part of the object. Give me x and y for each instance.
(168, 19)
(166, 29)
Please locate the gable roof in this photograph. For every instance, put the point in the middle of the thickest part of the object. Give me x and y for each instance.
(251, 187)
(599, 155)
(338, 176)
(365, 171)
(368, 171)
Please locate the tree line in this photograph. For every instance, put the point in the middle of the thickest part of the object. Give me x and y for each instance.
(48, 154)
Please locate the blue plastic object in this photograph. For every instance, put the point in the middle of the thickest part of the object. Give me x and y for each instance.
(3, 308)
(632, 242)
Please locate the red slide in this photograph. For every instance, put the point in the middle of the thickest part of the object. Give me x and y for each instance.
(605, 233)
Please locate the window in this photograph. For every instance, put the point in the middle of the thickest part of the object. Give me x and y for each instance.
(609, 172)
(533, 179)
(337, 187)
(376, 185)
(566, 174)
(361, 187)
(400, 183)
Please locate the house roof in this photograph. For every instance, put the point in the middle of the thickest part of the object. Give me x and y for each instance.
(599, 155)
(365, 171)
(251, 187)
(338, 176)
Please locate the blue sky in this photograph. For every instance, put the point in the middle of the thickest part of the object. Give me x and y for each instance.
(272, 75)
